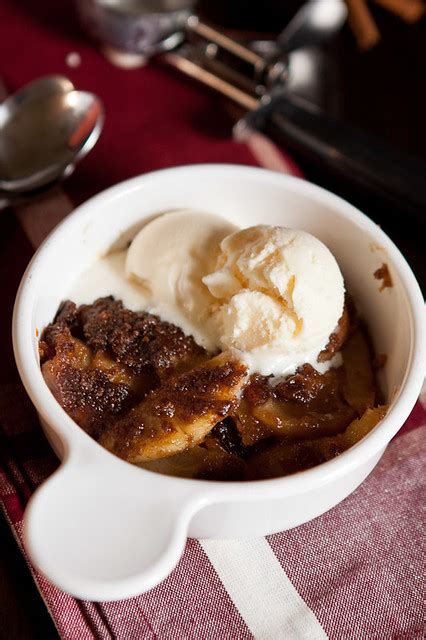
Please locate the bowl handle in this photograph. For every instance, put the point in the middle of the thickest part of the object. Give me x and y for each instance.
(100, 529)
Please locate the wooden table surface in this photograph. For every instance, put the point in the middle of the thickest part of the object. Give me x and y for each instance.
(381, 90)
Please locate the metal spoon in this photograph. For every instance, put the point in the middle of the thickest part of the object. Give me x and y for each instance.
(45, 129)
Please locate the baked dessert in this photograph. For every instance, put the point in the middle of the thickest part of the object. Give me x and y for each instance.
(273, 392)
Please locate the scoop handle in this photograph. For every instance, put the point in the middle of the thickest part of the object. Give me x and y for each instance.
(103, 530)
(349, 154)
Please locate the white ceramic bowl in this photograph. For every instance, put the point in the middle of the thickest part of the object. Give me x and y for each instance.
(102, 529)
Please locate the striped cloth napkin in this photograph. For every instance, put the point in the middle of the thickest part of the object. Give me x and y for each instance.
(354, 573)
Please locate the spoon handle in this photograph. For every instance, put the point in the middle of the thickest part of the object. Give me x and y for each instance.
(13, 201)
(16, 200)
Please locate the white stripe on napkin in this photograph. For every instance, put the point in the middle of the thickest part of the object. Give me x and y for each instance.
(260, 589)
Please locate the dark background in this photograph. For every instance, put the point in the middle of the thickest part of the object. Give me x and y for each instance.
(382, 90)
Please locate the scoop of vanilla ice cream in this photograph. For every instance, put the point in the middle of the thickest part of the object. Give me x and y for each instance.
(168, 258)
(279, 293)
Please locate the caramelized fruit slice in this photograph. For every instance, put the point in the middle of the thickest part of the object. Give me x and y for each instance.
(89, 395)
(91, 388)
(180, 413)
(359, 387)
(200, 462)
(363, 425)
(281, 459)
(141, 341)
(305, 405)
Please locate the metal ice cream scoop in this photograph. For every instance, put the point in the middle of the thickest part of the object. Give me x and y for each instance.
(256, 78)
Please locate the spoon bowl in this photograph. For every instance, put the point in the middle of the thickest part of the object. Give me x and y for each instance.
(45, 128)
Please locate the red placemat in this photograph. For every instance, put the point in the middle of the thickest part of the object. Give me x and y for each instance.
(353, 573)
